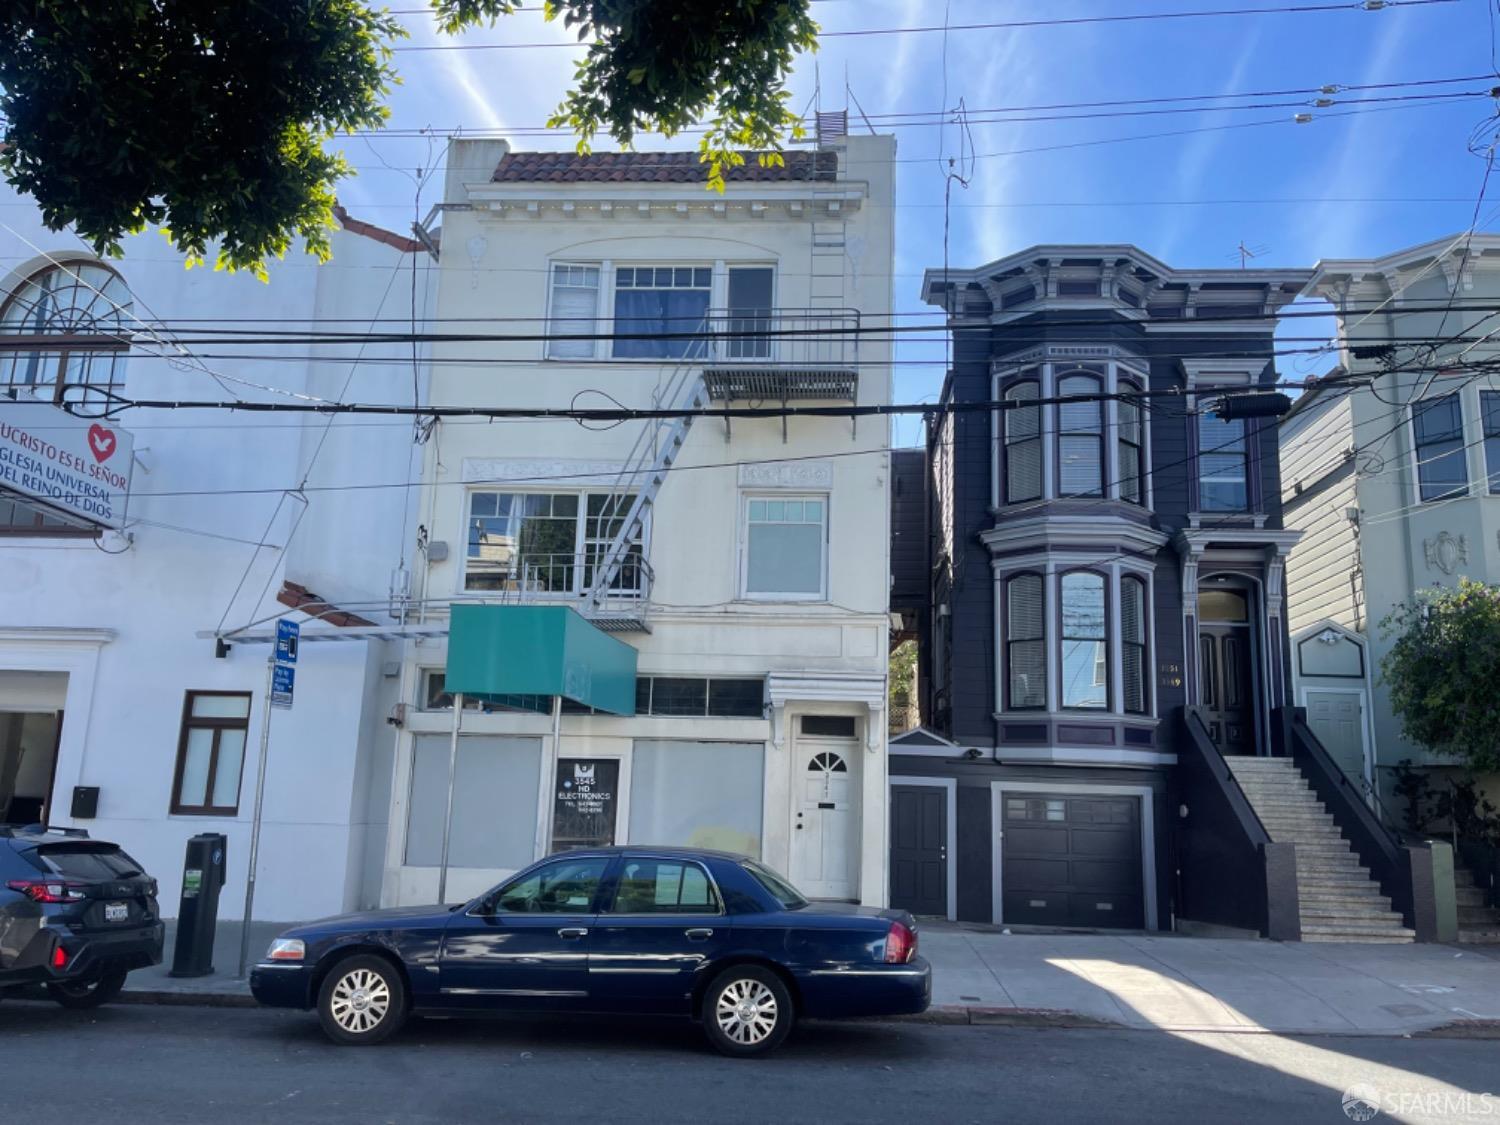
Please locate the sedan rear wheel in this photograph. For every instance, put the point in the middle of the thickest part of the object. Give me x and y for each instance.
(363, 1000)
(90, 993)
(747, 1010)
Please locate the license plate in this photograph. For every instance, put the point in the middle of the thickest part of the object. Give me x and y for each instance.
(116, 912)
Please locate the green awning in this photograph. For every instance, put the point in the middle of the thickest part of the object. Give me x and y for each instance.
(513, 650)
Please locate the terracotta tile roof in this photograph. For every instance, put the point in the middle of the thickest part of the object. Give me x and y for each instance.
(379, 234)
(300, 597)
(655, 167)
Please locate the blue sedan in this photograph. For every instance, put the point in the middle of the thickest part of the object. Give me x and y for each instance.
(666, 931)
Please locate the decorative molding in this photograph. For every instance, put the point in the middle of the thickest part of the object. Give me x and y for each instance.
(1075, 352)
(1446, 552)
(789, 474)
(828, 687)
(541, 471)
(55, 635)
(1054, 532)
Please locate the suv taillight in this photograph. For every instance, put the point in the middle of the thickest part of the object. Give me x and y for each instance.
(900, 944)
(46, 891)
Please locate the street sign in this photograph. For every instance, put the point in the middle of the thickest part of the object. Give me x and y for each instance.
(283, 676)
(287, 635)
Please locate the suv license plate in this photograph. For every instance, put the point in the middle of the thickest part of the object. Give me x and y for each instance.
(116, 912)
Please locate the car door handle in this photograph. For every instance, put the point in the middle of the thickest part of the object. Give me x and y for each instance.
(699, 933)
(573, 933)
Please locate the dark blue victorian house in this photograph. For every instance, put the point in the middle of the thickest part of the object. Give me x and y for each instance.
(1104, 651)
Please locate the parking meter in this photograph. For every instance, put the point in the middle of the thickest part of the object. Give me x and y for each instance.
(198, 910)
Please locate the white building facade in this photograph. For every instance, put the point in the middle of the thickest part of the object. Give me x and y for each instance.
(120, 711)
(755, 588)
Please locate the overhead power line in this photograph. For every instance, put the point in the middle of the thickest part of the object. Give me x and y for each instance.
(1054, 21)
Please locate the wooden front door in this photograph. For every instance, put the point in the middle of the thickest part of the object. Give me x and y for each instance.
(1224, 660)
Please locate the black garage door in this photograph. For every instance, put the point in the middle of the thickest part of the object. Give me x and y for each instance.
(1071, 861)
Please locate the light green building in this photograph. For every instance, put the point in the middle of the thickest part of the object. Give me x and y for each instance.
(1391, 469)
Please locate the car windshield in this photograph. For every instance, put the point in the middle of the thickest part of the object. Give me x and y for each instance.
(777, 887)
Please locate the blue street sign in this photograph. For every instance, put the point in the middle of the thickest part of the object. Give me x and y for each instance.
(287, 634)
(283, 677)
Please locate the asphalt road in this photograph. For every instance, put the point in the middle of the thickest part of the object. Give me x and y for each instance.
(133, 1063)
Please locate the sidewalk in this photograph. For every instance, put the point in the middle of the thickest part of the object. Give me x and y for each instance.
(155, 985)
(1173, 983)
(1135, 980)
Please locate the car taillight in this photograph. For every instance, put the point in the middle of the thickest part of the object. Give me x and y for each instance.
(900, 944)
(59, 958)
(43, 891)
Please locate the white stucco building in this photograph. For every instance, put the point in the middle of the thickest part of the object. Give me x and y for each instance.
(110, 677)
(755, 591)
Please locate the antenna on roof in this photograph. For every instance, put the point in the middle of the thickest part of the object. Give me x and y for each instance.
(1245, 253)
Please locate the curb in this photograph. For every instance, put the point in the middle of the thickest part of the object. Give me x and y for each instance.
(1462, 1029)
(187, 999)
(960, 1015)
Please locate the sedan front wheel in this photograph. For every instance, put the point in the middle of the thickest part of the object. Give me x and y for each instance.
(363, 1000)
(747, 1010)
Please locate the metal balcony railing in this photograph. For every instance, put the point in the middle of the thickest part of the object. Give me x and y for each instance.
(554, 579)
(782, 354)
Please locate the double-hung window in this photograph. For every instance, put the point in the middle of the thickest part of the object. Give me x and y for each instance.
(1129, 444)
(1133, 644)
(1489, 413)
(786, 547)
(547, 542)
(1025, 642)
(573, 318)
(1080, 437)
(660, 311)
(1223, 463)
(1438, 435)
(1022, 464)
(1084, 641)
(211, 752)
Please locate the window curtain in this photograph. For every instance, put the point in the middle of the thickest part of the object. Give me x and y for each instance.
(652, 311)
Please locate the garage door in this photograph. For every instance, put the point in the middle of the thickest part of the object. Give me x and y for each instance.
(1070, 860)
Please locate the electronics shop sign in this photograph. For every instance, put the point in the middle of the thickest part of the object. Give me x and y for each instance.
(77, 467)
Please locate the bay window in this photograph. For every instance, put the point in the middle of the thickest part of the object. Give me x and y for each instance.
(1070, 430)
(1025, 642)
(1073, 613)
(1438, 437)
(1023, 443)
(1080, 437)
(546, 542)
(1083, 641)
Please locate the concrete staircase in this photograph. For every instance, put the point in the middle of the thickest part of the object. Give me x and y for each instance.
(1477, 923)
(1338, 899)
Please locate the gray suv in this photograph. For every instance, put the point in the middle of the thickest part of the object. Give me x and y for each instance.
(76, 915)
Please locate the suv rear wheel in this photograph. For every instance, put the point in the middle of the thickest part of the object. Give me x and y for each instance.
(89, 992)
(362, 1000)
(747, 1010)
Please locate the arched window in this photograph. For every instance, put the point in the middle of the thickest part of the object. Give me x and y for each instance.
(1132, 468)
(1084, 642)
(1133, 644)
(1080, 437)
(72, 318)
(1022, 447)
(1025, 642)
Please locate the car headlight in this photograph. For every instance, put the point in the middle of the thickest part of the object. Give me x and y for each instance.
(286, 949)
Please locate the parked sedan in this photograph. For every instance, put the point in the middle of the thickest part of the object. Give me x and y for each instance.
(664, 931)
(76, 915)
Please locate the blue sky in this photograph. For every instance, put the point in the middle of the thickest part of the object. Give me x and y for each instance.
(1188, 199)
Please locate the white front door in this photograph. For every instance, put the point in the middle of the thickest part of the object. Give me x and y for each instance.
(824, 821)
